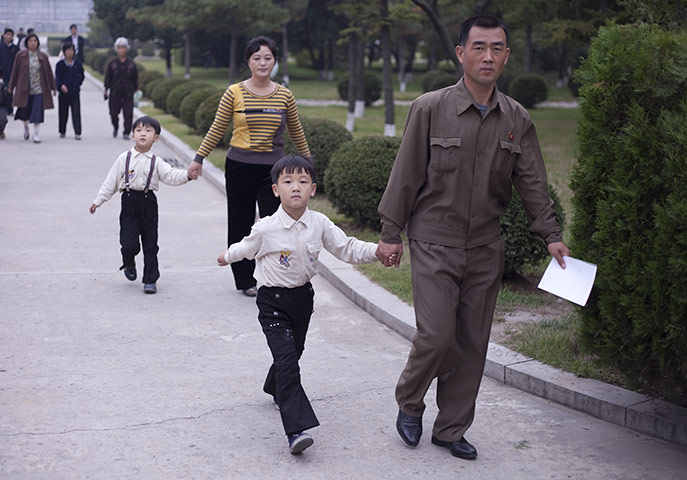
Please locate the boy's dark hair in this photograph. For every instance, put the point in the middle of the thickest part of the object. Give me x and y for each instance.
(254, 45)
(484, 21)
(147, 121)
(29, 37)
(290, 164)
(67, 45)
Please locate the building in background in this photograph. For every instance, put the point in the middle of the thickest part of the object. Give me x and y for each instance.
(45, 16)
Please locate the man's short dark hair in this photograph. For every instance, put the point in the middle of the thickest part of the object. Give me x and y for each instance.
(484, 21)
(67, 45)
(147, 121)
(73, 25)
(290, 164)
(254, 45)
(8, 30)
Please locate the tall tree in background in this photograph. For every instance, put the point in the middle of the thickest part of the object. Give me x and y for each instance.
(296, 9)
(389, 121)
(528, 15)
(113, 14)
(668, 13)
(431, 8)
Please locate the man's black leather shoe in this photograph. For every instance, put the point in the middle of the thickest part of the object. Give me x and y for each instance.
(409, 428)
(460, 448)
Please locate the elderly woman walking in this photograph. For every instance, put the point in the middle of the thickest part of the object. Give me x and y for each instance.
(31, 83)
(121, 82)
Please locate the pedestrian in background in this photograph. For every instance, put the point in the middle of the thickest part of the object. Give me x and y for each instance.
(8, 52)
(31, 84)
(121, 82)
(69, 77)
(76, 40)
(4, 108)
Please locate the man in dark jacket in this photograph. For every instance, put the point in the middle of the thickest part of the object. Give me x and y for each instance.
(77, 41)
(69, 76)
(8, 50)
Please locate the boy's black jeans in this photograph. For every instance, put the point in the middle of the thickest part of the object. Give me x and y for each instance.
(284, 314)
(139, 218)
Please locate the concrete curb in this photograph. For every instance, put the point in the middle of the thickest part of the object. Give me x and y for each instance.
(634, 411)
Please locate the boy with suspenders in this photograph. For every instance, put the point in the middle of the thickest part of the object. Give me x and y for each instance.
(138, 217)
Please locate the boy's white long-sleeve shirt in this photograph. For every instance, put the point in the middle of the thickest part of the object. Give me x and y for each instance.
(139, 167)
(286, 250)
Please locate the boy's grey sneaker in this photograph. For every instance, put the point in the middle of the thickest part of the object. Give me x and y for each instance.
(129, 272)
(250, 292)
(299, 442)
(150, 288)
(77, 137)
(125, 136)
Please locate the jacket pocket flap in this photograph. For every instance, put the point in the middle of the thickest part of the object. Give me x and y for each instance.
(446, 141)
(511, 147)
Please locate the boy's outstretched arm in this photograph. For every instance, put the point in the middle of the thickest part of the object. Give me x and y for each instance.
(92, 209)
(221, 259)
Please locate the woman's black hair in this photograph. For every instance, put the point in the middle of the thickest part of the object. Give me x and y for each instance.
(30, 36)
(290, 164)
(254, 45)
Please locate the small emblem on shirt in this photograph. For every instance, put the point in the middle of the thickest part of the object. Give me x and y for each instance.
(131, 174)
(510, 136)
(285, 258)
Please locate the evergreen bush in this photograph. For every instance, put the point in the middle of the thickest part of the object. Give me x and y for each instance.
(373, 88)
(189, 105)
(436, 79)
(630, 203)
(159, 94)
(149, 86)
(357, 176)
(324, 138)
(528, 89)
(146, 77)
(522, 248)
(205, 113)
(179, 92)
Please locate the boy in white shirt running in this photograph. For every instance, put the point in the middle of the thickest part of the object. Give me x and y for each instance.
(139, 217)
(285, 247)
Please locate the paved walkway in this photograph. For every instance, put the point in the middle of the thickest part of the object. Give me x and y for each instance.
(100, 381)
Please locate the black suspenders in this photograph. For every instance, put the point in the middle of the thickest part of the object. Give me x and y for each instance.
(126, 172)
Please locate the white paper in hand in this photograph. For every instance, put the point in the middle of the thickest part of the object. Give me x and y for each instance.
(573, 283)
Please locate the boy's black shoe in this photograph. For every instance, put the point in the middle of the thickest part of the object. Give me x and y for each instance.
(114, 133)
(129, 272)
(299, 442)
(460, 448)
(150, 288)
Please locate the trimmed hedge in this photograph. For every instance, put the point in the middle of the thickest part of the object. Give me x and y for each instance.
(324, 138)
(520, 246)
(528, 90)
(436, 79)
(189, 105)
(373, 88)
(357, 176)
(179, 92)
(146, 77)
(205, 113)
(150, 86)
(159, 94)
(630, 203)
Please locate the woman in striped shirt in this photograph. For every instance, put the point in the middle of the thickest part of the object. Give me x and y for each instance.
(260, 109)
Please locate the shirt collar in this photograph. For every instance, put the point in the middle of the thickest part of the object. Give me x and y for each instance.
(464, 99)
(288, 222)
(135, 153)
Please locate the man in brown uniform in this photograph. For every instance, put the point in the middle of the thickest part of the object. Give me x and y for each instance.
(462, 147)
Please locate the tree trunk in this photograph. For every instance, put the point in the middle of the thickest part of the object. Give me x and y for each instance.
(187, 55)
(233, 51)
(528, 48)
(401, 66)
(360, 78)
(389, 121)
(352, 77)
(285, 54)
(329, 62)
(168, 58)
(444, 38)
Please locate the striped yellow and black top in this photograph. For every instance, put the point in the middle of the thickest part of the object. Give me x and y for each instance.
(259, 121)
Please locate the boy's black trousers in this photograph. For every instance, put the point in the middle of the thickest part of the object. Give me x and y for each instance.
(284, 315)
(138, 218)
(246, 183)
(66, 102)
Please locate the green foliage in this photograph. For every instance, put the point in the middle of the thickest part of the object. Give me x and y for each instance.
(357, 176)
(178, 93)
(521, 248)
(189, 105)
(324, 138)
(630, 202)
(528, 89)
(205, 113)
(436, 79)
(373, 88)
(159, 94)
(145, 77)
(150, 85)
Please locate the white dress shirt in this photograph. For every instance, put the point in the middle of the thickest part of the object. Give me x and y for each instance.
(139, 167)
(286, 250)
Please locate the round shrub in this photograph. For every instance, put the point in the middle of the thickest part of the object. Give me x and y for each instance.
(89, 55)
(150, 86)
(179, 92)
(520, 247)
(205, 113)
(146, 77)
(528, 89)
(436, 79)
(159, 94)
(373, 88)
(101, 61)
(357, 176)
(324, 137)
(189, 105)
